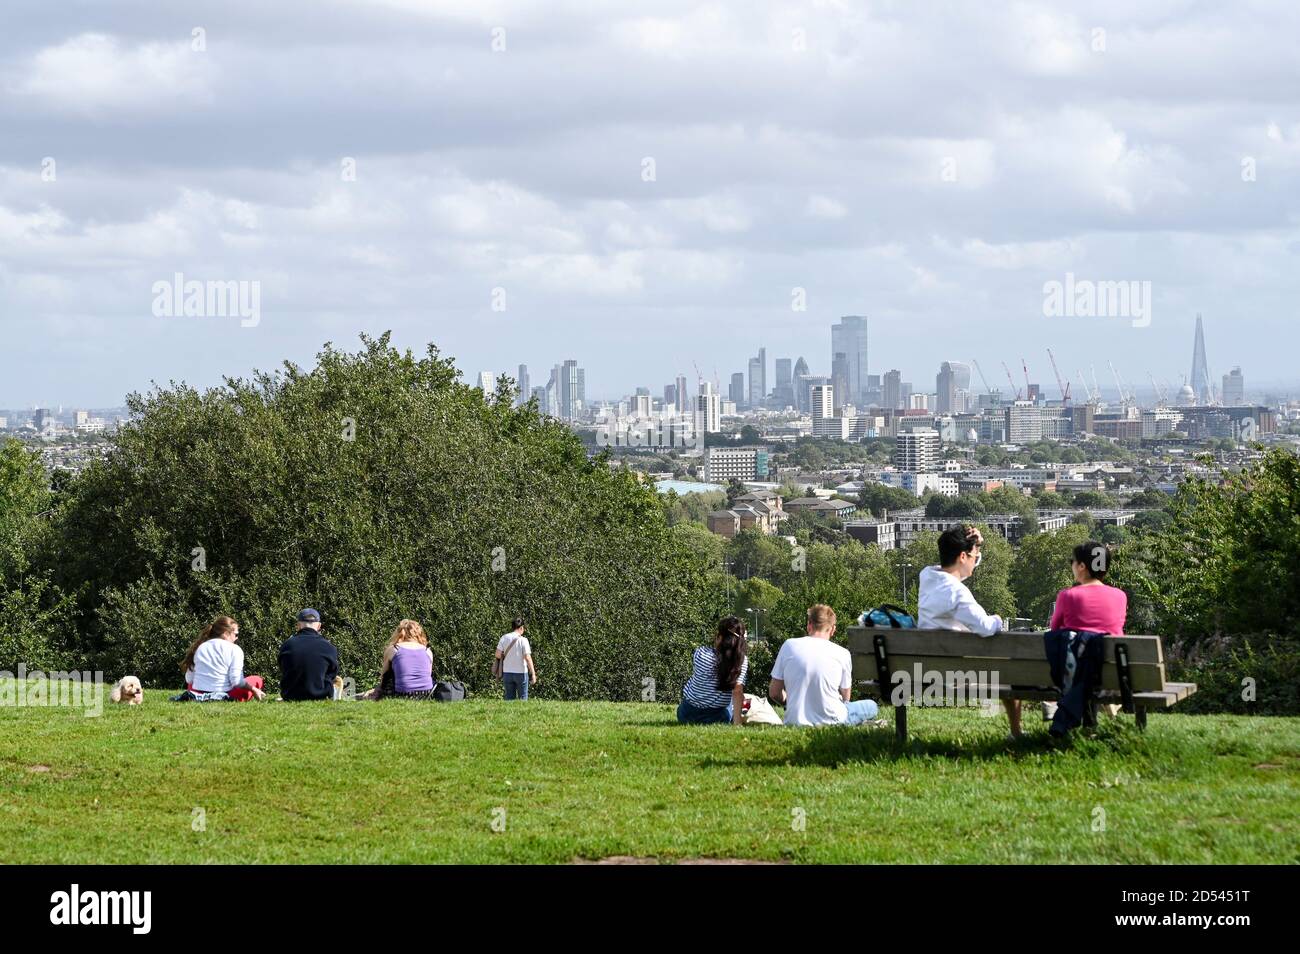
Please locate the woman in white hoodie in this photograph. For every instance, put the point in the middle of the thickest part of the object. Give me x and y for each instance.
(945, 602)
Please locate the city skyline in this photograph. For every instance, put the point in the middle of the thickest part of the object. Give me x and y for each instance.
(1164, 387)
(935, 170)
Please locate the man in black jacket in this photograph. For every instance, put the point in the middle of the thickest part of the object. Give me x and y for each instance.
(308, 662)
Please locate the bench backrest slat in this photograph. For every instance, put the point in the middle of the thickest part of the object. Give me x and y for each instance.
(1017, 658)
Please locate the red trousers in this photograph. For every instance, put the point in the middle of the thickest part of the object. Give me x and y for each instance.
(242, 695)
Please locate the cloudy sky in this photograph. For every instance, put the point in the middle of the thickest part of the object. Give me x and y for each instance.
(642, 186)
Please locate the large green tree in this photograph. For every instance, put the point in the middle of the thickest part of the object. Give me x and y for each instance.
(377, 486)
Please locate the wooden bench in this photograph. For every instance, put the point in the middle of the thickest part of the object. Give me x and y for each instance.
(1133, 674)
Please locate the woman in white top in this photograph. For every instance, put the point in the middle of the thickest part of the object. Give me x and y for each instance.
(214, 665)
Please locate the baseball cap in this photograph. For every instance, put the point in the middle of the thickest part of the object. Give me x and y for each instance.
(309, 616)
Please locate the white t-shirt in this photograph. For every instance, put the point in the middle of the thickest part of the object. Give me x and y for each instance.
(513, 661)
(218, 666)
(814, 671)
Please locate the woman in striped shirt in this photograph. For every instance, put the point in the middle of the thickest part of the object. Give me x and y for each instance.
(716, 690)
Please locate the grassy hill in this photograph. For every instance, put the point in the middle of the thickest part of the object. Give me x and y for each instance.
(420, 782)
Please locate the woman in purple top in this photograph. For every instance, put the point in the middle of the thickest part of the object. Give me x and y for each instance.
(410, 661)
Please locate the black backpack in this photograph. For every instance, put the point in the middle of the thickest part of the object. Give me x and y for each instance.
(450, 691)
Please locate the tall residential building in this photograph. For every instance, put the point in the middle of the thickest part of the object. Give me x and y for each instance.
(1234, 388)
(822, 401)
(1200, 382)
(641, 405)
(670, 396)
(523, 385)
(708, 410)
(892, 396)
(1024, 422)
(487, 382)
(683, 395)
(917, 451)
(737, 391)
(758, 378)
(566, 391)
(849, 338)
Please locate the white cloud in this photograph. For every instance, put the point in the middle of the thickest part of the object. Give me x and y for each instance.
(93, 72)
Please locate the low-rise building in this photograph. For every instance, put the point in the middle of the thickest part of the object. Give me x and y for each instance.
(880, 533)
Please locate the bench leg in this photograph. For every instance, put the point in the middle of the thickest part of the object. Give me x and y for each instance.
(1141, 716)
(900, 722)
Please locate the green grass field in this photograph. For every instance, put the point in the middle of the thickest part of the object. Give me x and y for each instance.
(401, 781)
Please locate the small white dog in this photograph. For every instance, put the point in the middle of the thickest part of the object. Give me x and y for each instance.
(127, 690)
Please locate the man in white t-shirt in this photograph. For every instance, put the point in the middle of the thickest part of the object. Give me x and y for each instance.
(516, 656)
(813, 677)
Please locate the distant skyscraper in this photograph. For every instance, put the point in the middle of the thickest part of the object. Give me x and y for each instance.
(566, 392)
(524, 390)
(1200, 382)
(758, 378)
(1234, 388)
(737, 390)
(849, 338)
(952, 384)
(799, 385)
(487, 382)
(840, 379)
(783, 392)
(893, 390)
(670, 396)
(683, 395)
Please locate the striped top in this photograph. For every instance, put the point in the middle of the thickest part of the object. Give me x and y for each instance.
(702, 688)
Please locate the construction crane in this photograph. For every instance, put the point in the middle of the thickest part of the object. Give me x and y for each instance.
(980, 372)
(1028, 386)
(1092, 398)
(1063, 385)
(1161, 398)
(1123, 395)
(1011, 381)
(1096, 388)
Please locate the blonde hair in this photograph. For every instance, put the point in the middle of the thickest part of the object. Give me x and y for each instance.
(409, 631)
(217, 628)
(822, 617)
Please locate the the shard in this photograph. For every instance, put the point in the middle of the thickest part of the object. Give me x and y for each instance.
(1200, 381)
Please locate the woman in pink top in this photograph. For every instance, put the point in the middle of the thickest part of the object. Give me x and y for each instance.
(1091, 605)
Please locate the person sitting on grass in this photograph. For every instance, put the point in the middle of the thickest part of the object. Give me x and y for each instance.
(716, 690)
(214, 667)
(308, 662)
(945, 602)
(407, 667)
(813, 677)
